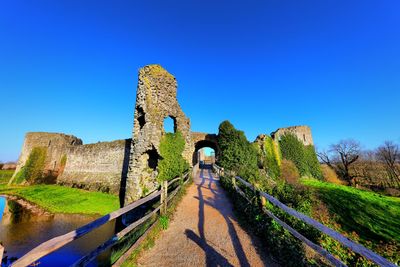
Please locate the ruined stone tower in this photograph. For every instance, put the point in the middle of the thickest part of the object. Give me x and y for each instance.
(303, 133)
(155, 101)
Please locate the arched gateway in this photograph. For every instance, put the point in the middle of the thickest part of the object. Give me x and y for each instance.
(202, 140)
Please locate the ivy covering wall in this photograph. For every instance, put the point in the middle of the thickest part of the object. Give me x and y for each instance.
(272, 158)
(172, 164)
(304, 157)
(33, 169)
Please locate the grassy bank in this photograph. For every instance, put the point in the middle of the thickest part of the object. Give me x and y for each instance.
(60, 199)
(372, 216)
(5, 176)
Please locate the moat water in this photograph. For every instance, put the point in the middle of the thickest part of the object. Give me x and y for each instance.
(22, 230)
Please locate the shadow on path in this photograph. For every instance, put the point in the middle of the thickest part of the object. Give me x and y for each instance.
(213, 258)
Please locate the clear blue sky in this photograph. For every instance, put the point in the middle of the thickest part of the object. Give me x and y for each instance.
(71, 66)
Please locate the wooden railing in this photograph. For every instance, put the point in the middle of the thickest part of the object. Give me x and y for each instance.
(264, 197)
(1, 253)
(62, 240)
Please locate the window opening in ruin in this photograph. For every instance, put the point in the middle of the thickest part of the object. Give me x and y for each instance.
(49, 142)
(170, 125)
(304, 137)
(73, 143)
(140, 117)
(153, 157)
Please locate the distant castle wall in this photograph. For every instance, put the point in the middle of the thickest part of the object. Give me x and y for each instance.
(56, 147)
(303, 133)
(97, 167)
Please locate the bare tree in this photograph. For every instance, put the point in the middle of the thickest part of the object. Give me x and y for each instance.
(389, 154)
(341, 156)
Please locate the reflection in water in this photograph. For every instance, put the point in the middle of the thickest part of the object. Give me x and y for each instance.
(22, 230)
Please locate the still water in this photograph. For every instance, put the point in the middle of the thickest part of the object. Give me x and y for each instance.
(21, 230)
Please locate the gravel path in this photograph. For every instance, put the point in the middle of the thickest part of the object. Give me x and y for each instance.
(205, 232)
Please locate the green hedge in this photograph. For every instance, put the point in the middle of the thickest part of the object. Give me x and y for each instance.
(304, 157)
(34, 166)
(172, 164)
(237, 153)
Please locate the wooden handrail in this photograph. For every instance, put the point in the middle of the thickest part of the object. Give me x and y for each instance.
(296, 234)
(60, 241)
(113, 240)
(374, 257)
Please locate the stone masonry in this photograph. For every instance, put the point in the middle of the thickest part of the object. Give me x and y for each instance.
(96, 167)
(155, 101)
(303, 133)
(129, 167)
(56, 145)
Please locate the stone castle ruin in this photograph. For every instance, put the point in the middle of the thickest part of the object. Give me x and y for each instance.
(128, 167)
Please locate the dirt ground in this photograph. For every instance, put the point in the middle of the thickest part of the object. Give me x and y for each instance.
(205, 232)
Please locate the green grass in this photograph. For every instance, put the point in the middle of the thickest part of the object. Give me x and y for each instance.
(60, 199)
(372, 216)
(5, 176)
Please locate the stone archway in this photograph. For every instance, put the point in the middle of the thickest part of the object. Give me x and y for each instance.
(202, 140)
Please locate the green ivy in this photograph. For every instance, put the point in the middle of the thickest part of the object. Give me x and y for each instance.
(304, 157)
(271, 161)
(237, 153)
(63, 161)
(313, 164)
(34, 166)
(172, 164)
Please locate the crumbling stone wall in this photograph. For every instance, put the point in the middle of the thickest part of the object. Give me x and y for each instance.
(155, 101)
(96, 167)
(56, 145)
(303, 133)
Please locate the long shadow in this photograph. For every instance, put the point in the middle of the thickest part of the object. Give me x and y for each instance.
(232, 232)
(124, 173)
(213, 258)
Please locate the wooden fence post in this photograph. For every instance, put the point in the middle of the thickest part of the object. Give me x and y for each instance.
(263, 201)
(164, 197)
(1, 253)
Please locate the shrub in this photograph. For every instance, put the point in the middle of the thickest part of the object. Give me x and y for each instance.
(34, 167)
(172, 163)
(330, 175)
(237, 153)
(289, 172)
